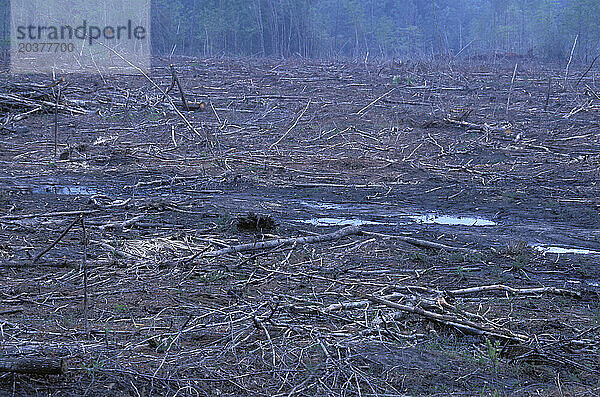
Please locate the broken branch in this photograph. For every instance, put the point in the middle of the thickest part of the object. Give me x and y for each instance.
(347, 231)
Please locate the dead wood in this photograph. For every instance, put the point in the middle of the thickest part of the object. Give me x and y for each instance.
(422, 243)
(347, 231)
(48, 215)
(548, 93)
(181, 115)
(361, 111)
(516, 291)
(20, 102)
(187, 105)
(115, 251)
(33, 365)
(464, 325)
(63, 234)
(255, 317)
(121, 225)
(292, 126)
(512, 82)
(476, 127)
(587, 70)
(176, 81)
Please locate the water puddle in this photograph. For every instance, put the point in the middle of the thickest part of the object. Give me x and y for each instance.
(324, 206)
(549, 249)
(341, 222)
(330, 215)
(451, 220)
(64, 190)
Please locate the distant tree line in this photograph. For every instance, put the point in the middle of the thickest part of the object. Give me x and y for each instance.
(4, 24)
(371, 28)
(376, 28)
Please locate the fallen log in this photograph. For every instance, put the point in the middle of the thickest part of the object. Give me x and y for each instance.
(33, 365)
(20, 102)
(423, 243)
(477, 127)
(121, 225)
(47, 215)
(516, 291)
(261, 245)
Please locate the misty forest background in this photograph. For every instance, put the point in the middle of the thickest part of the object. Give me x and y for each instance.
(370, 28)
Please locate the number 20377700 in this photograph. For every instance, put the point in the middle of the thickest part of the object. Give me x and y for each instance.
(46, 47)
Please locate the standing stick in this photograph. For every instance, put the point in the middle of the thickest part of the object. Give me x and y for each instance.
(548, 93)
(85, 279)
(56, 124)
(185, 120)
(511, 87)
(570, 59)
(176, 81)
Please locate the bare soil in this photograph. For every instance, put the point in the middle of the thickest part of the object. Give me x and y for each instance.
(446, 152)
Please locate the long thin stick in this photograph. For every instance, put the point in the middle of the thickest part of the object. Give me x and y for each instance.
(49, 215)
(516, 291)
(422, 243)
(465, 47)
(85, 279)
(63, 234)
(56, 124)
(587, 71)
(292, 127)
(361, 111)
(570, 59)
(548, 93)
(511, 87)
(347, 231)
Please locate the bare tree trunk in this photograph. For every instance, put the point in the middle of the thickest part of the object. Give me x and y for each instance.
(261, 26)
(289, 41)
(435, 24)
(356, 42)
(522, 39)
(335, 31)
(372, 28)
(5, 23)
(207, 51)
(274, 29)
